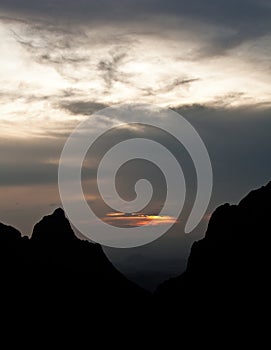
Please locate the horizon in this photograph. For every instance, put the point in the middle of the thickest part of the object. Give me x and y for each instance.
(62, 63)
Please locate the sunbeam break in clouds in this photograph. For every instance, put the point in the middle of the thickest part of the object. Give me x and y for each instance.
(137, 219)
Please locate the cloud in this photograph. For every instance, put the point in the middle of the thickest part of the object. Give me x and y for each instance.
(109, 68)
(29, 162)
(220, 25)
(53, 45)
(137, 219)
(238, 141)
(27, 174)
(175, 58)
(82, 107)
(62, 60)
(246, 18)
(166, 87)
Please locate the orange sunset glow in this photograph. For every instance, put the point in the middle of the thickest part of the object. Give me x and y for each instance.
(138, 219)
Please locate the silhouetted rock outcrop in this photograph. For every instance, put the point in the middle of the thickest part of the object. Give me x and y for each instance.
(8, 234)
(13, 250)
(54, 271)
(229, 268)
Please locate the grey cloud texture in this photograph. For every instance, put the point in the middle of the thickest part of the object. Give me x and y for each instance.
(90, 8)
(64, 35)
(108, 42)
(70, 50)
(170, 86)
(29, 162)
(238, 140)
(82, 107)
(51, 44)
(246, 19)
(109, 69)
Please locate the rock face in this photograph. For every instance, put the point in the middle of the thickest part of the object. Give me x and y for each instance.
(229, 267)
(54, 270)
(55, 273)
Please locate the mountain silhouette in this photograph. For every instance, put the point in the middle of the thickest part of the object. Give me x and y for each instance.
(228, 269)
(55, 273)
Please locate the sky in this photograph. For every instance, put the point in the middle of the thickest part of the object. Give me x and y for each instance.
(60, 61)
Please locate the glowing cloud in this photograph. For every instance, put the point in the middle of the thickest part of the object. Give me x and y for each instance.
(56, 80)
(137, 219)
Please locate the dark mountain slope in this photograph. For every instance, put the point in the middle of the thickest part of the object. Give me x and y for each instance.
(55, 272)
(229, 268)
(56, 275)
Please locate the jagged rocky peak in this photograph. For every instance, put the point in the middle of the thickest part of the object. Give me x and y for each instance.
(54, 265)
(258, 199)
(59, 212)
(54, 227)
(242, 221)
(233, 258)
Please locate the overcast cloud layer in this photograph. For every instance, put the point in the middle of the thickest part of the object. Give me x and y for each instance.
(70, 57)
(60, 61)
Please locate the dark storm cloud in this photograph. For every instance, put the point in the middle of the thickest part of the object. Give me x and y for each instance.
(63, 33)
(245, 18)
(7, 19)
(219, 10)
(238, 141)
(237, 138)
